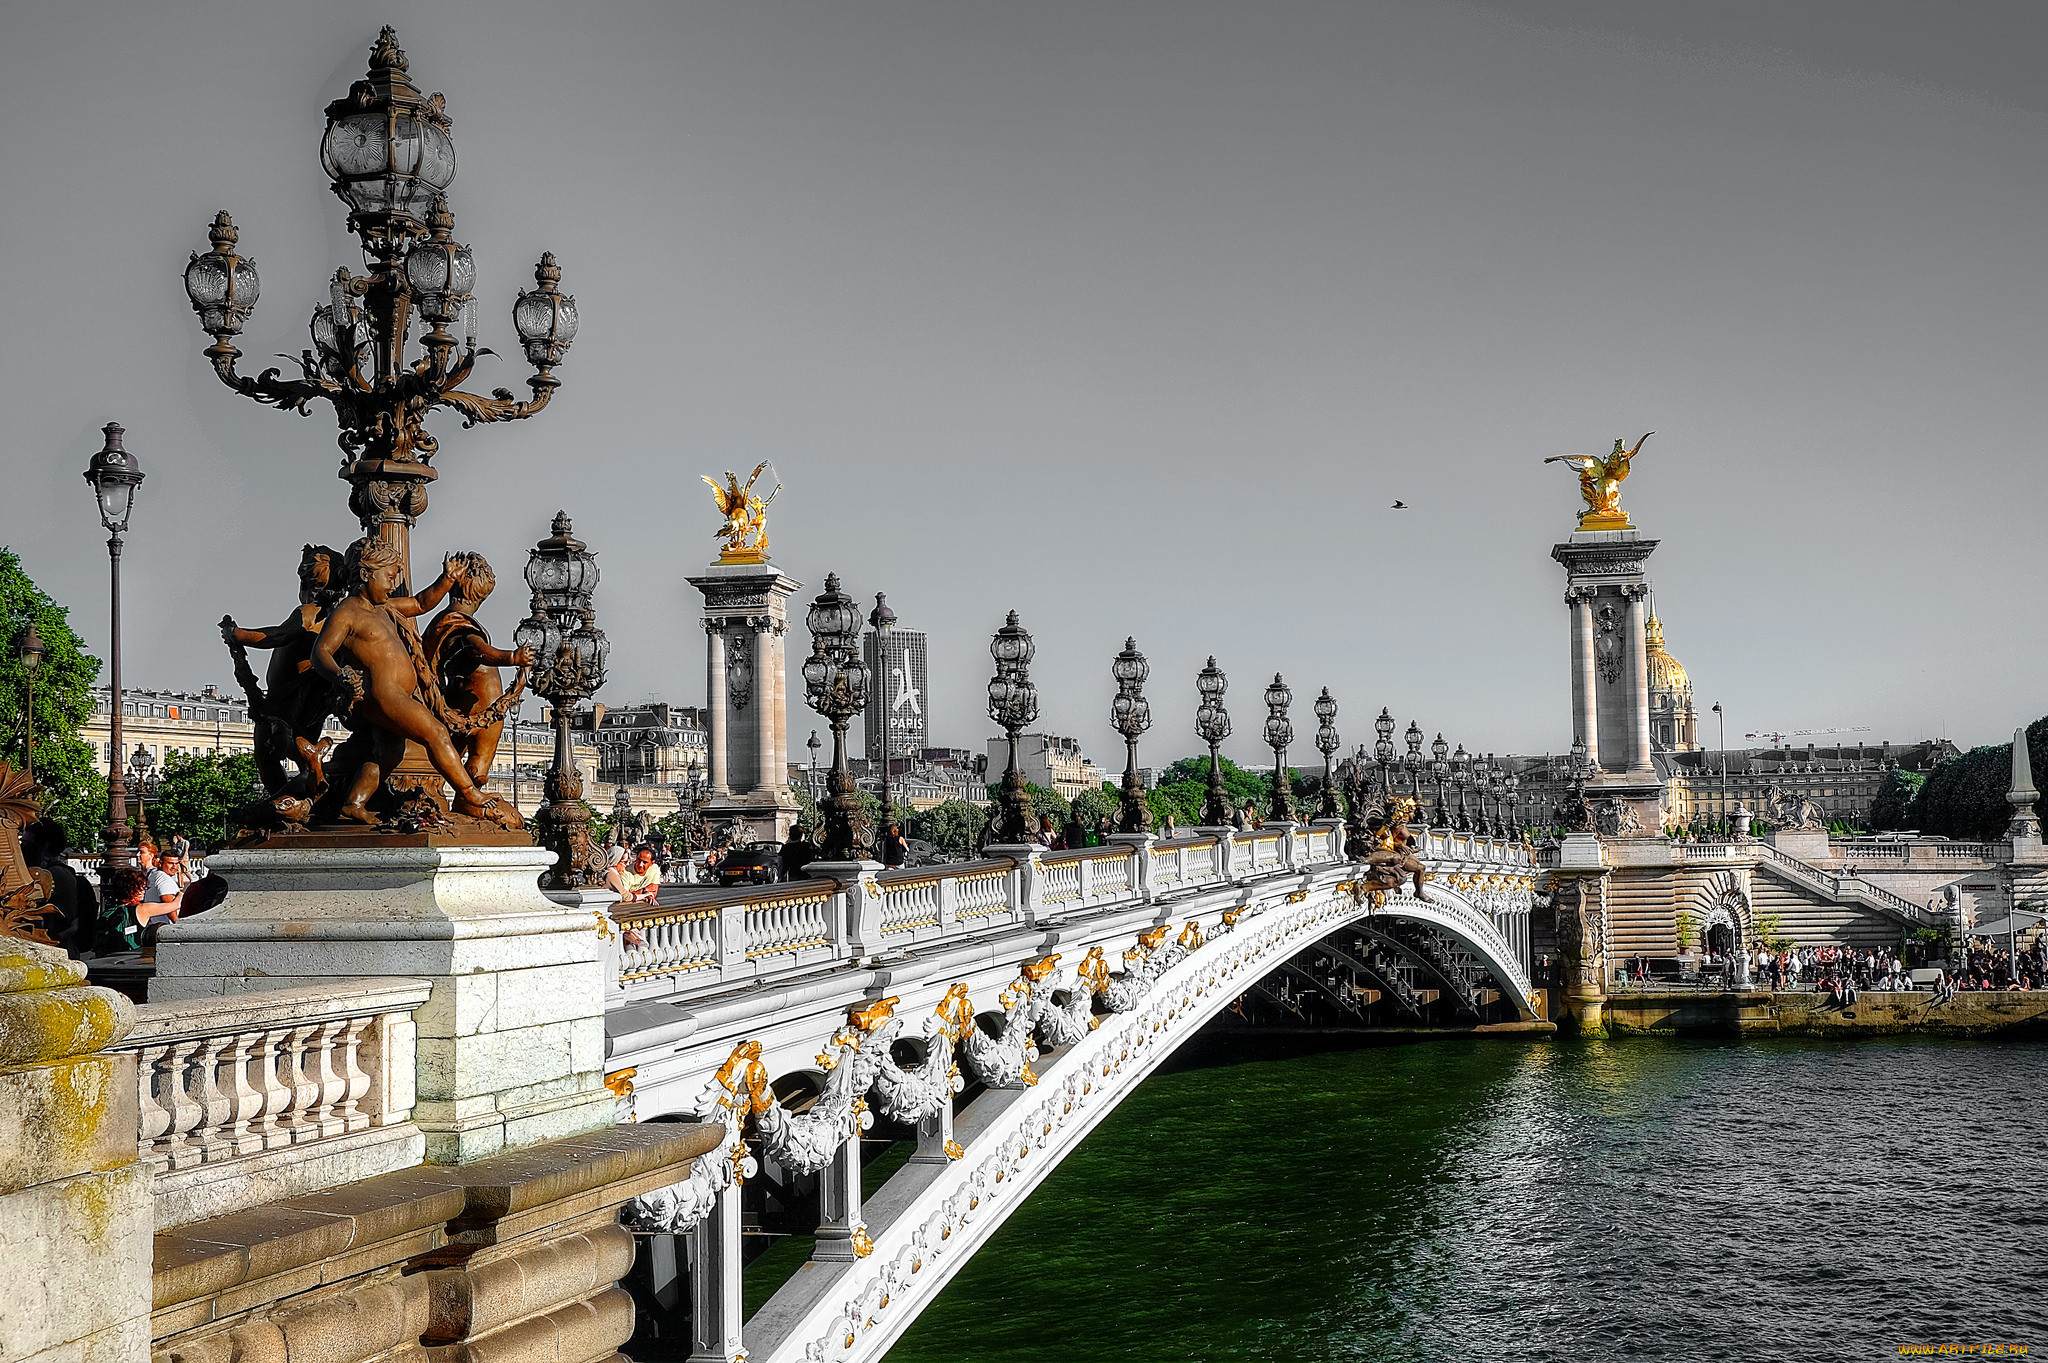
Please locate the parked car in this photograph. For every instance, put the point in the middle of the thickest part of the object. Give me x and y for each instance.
(756, 863)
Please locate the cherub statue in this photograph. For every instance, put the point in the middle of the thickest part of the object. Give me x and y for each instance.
(1600, 483)
(1391, 858)
(745, 531)
(292, 706)
(465, 665)
(386, 686)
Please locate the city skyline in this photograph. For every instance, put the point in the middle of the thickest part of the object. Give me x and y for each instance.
(1134, 321)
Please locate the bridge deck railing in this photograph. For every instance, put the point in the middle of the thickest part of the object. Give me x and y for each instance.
(718, 940)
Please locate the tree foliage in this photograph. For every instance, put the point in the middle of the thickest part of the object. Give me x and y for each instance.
(1890, 808)
(954, 827)
(1964, 797)
(74, 794)
(1185, 785)
(202, 795)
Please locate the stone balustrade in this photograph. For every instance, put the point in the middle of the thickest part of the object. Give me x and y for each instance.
(723, 939)
(275, 1093)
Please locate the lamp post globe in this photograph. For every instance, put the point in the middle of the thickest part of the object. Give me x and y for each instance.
(1212, 725)
(1279, 734)
(569, 653)
(1131, 715)
(115, 475)
(882, 619)
(836, 686)
(1327, 743)
(1012, 704)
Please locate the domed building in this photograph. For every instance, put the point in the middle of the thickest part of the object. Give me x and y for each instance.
(1674, 723)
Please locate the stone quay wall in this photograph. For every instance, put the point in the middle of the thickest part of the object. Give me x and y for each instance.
(1763, 1013)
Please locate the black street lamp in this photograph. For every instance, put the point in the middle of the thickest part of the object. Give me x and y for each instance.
(29, 653)
(1513, 784)
(1279, 733)
(1212, 724)
(836, 686)
(1012, 704)
(881, 619)
(813, 746)
(390, 156)
(1327, 743)
(1439, 770)
(1383, 752)
(622, 810)
(1414, 760)
(139, 763)
(568, 666)
(115, 475)
(1461, 777)
(1131, 715)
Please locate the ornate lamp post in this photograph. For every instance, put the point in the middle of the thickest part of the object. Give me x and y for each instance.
(881, 619)
(1383, 752)
(1461, 777)
(1279, 733)
(389, 154)
(29, 653)
(812, 744)
(115, 475)
(1130, 714)
(139, 763)
(1012, 704)
(1212, 724)
(1327, 743)
(1513, 784)
(622, 810)
(1413, 761)
(836, 686)
(1496, 782)
(1439, 770)
(569, 653)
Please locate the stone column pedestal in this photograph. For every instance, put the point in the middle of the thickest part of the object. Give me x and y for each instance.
(76, 1215)
(511, 1040)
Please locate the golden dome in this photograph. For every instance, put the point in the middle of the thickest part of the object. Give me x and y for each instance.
(1666, 673)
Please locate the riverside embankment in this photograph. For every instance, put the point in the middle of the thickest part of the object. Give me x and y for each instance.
(1695, 1012)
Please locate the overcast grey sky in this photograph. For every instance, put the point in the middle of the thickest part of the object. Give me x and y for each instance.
(1131, 316)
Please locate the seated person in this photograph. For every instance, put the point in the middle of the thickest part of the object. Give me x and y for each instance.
(640, 883)
(615, 870)
(162, 891)
(121, 892)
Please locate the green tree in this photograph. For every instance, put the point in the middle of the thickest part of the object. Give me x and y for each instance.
(1092, 806)
(1895, 795)
(1043, 802)
(1964, 797)
(1241, 783)
(74, 794)
(954, 827)
(202, 795)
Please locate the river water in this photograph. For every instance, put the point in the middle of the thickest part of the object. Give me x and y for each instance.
(1637, 1199)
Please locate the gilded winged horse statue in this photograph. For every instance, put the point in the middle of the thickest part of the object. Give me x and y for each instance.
(745, 531)
(1600, 483)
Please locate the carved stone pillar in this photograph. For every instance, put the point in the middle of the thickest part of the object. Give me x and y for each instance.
(746, 611)
(1637, 673)
(1585, 724)
(842, 1234)
(714, 704)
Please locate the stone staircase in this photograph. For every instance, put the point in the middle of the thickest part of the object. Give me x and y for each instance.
(1841, 889)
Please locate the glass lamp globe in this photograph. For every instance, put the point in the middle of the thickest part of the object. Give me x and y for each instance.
(221, 285)
(544, 316)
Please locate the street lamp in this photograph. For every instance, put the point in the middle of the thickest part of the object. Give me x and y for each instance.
(390, 157)
(1383, 752)
(115, 475)
(1721, 717)
(139, 763)
(836, 686)
(622, 810)
(30, 655)
(1279, 733)
(881, 619)
(1461, 777)
(1327, 743)
(1012, 704)
(1439, 770)
(813, 746)
(1212, 724)
(1413, 761)
(568, 666)
(1514, 786)
(1130, 714)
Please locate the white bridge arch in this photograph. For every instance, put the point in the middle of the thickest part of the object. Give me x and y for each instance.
(1241, 907)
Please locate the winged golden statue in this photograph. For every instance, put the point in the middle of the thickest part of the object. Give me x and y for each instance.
(1600, 483)
(745, 531)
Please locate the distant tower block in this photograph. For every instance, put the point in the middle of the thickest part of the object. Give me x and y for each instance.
(896, 680)
(746, 619)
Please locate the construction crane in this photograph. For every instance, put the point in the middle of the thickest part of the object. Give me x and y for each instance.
(1778, 736)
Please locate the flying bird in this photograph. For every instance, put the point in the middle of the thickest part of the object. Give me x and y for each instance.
(1398, 506)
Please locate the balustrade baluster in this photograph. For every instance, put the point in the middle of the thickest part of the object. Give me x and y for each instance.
(245, 1100)
(155, 1113)
(272, 1078)
(193, 1077)
(355, 1079)
(333, 1083)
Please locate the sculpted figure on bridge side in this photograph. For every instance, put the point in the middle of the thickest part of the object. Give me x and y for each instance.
(291, 707)
(1600, 483)
(911, 1093)
(387, 689)
(1391, 856)
(1793, 813)
(737, 1093)
(465, 665)
(1000, 1047)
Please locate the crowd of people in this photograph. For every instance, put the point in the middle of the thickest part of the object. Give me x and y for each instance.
(1988, 965)
(121, 909)
(1836, 971)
